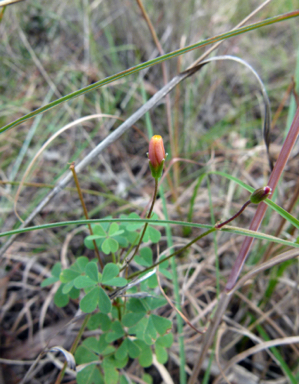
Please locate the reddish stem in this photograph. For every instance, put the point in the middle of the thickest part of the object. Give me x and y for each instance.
(220, 225)
(260, 212)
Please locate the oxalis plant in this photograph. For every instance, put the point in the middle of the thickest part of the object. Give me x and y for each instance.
(122, 307)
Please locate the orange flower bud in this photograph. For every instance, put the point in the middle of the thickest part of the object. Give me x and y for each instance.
(156, 155)
(156, 152)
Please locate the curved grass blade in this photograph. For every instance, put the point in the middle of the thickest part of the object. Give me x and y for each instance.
(150, 63)
(267, 116)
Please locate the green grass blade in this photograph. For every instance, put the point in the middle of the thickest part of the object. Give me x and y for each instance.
(150, 63)
(230, 229)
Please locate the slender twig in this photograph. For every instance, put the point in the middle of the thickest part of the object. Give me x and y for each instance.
(72, 168)
(73, 348)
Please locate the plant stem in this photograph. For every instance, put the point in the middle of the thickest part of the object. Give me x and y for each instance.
(73, 348)
(145, 225)
(261, 209)
(220, 225)
(173, 254)
(72, 168)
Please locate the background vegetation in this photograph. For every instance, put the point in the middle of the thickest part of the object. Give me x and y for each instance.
(51, 49)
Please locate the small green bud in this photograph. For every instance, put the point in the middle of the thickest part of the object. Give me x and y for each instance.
(260, 194)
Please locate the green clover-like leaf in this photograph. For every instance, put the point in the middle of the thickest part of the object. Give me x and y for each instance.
(67, 287)
(49, 281)
(81, 263)
(61, 299)
(68, 275)
(165, 341)
(146, 257)
(161, 353)
(114, 227)
(162, 325)
(92, 271)
(116, 332)
(132, 318)
(109, 272)
(110, 245)
(99, 320)
(90, 301)
(83, 282)
(98, 229)
(104, 301)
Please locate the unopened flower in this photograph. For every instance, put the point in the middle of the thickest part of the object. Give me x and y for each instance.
(260, 194)
(156, 155)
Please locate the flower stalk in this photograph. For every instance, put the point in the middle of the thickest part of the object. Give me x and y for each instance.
(156, 155)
